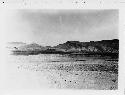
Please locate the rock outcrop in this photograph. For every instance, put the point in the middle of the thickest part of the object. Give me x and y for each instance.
(70, 47)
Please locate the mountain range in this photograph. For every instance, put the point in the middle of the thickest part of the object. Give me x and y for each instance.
(69, 47)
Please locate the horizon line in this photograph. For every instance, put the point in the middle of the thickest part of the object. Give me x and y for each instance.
(60, 43)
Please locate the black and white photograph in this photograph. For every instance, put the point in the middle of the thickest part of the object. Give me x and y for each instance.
(61, 49)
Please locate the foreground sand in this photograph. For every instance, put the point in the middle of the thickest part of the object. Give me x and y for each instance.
(53, 75)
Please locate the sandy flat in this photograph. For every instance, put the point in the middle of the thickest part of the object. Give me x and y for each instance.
(24, 75)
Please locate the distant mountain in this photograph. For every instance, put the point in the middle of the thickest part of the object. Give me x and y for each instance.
(70, 47)
(14, 45)
(31, 47)
(109, 46)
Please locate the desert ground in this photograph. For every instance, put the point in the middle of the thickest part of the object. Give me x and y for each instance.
(55, 71)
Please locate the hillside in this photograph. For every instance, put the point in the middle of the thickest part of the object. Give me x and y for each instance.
(104, 46)
(71, 47)
(31, 47)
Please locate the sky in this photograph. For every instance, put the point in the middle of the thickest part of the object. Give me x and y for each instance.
(52, 27)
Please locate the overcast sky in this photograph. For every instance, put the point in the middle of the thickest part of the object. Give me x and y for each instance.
(51, 27)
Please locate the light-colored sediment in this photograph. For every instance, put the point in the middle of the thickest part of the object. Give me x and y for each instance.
(30, 75)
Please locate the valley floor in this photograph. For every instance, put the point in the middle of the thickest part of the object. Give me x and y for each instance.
(31, 75)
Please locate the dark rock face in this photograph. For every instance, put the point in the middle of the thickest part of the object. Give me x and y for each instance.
(92, 47)
(69, 45)
(109, 46)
